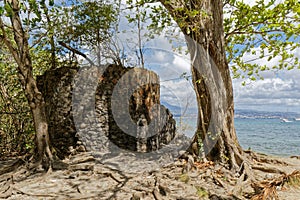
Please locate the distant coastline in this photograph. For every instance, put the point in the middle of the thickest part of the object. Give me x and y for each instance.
(251, 114)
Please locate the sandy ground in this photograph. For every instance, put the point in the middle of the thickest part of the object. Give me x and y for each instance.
(86, 178)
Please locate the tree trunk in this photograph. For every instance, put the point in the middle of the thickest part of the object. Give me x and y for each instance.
(211, 78)
(35, 99)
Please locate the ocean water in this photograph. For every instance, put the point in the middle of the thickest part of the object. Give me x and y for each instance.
(269, 136)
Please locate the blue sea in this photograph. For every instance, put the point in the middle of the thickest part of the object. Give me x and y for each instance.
(269, 136)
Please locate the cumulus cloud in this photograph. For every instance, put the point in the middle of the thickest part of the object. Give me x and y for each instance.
(176, 90)
(280, 90)
(160, 57)
(178, 93)
(182, 63)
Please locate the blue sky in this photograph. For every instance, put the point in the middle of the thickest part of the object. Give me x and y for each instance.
(279, 91)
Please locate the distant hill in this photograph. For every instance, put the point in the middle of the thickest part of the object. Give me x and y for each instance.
(265, 114)
(177, 110)
(239, 113)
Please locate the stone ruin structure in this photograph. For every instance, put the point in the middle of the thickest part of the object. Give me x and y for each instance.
(123, 108)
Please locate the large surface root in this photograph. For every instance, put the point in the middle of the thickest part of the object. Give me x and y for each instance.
(206, 179)
(267, 189)
(10, 165)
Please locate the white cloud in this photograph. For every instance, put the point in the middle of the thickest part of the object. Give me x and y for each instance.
(254, 59)
(179, 93)
(160, 57)
(182, 63)
(252, 2)
(280, 90)
(175, 90)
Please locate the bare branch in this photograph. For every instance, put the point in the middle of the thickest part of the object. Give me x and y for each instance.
(252, 32)
(8, 43)
(39, 39)
(77, 52)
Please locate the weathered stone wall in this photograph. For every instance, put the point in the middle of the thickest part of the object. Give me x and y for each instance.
(141, 102)
(57, 87)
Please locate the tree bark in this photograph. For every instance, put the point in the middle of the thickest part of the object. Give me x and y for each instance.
(51, 36)
(20, 51)
(211, 78)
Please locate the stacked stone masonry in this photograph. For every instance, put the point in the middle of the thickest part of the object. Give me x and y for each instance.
(125, 104)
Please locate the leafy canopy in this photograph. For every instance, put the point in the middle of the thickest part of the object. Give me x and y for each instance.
(267, 30)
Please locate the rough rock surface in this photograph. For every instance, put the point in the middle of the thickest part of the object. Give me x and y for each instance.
(79, 108)
(56, 86)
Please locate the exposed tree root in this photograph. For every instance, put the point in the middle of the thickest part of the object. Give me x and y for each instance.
(11, 165)
(267, 169)
(6, 189)
(244, 181)
(248, 182)
(34, 195)
(262, 158)
(217, 180)
(297, 157)
(267, 189)
(19, 169)
(47, 163)
(263, 189)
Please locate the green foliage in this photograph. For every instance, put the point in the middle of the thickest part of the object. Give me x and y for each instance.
(16, 126)
(265, 30)
(160, 19)
(268, 31)
(294, 181)
(41, 61)
(184, 178)
(1, 10)
(201, 192)
(88, 23)
(149, 20)
(8, 9)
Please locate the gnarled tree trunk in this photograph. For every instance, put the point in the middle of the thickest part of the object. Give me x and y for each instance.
(20, 51)
(211, 76)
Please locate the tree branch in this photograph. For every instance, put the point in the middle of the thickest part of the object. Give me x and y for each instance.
(77, 52)
(252, 32)
(39, 39)
(8, 43)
